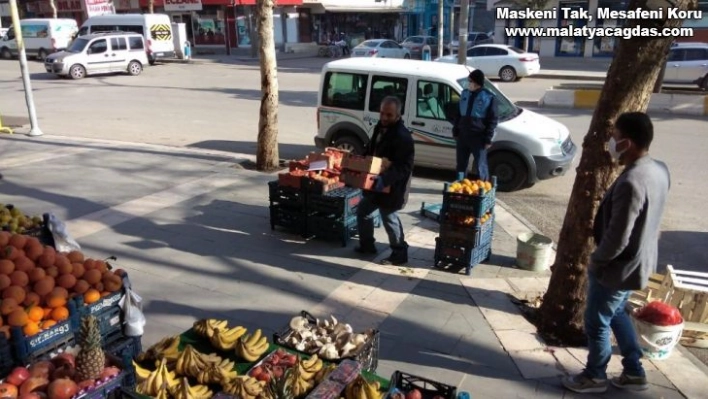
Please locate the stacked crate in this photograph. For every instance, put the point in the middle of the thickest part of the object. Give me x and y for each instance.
(288, 206)
(333, 215)
(466, 228)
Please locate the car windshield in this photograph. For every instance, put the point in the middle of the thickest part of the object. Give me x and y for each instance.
(370, 43)
(516, 50)
(415, 40)
(77, 45)
(506, 110)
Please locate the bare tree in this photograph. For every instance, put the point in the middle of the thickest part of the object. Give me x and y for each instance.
(628, 87)
(151, 6)
(267, 153)
(53, 6)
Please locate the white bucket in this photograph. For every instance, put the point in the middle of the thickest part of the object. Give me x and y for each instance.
(533, 252)
(656, 342)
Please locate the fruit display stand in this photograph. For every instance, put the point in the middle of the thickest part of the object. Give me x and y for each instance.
(466, 218)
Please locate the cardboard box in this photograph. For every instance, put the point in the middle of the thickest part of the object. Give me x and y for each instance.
(366, 164)
(364, 181)
(333, 162)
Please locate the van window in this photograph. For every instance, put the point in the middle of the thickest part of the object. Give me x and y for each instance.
(384, 86)
(132, 29)
(136, 43)
(506, 108)
(34, 31)
(344, 90)
(83, 31)
(434, 99)
(98, 47)
(118, 43)
(103, 28)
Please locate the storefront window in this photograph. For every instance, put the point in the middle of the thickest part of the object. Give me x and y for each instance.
(244, 36)
(209, 26)
(605, 46)
(357, 27)
(571, 46)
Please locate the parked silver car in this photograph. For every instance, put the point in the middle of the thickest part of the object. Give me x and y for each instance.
(415, 45)
(473, 39)
(688, 64)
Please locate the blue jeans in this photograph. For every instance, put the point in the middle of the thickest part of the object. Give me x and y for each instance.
(365, 222)
(606, 310)
(475, 147)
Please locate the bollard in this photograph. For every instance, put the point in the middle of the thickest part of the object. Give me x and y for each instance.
(426, 53)
(4, 129)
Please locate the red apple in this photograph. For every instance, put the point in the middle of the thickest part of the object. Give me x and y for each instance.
(278, 371)
(34, 384)
(33, 395)
(18, 376)
(265, 377)
(8, 391)
(43, 369)
(414, 394)
(62, 359)
(257, 371)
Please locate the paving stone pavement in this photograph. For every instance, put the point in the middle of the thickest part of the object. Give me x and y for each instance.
(192, 230)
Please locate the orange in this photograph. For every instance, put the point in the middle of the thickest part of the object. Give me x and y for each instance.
(61, 313)
(31, 328)
(91, 296)
(48, 324)
(35, 314)
(55, 301)
(47, 313)
(17, 318)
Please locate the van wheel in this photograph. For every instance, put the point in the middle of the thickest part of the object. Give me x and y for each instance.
(5, 53)
(350, 143)
(77, 72)
(135, 68)
(510, 170)
(507, 74)
(42, 55)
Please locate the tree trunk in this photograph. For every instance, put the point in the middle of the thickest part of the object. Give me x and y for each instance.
(267, 155)
(660, 79)
(151, 6)
(628, 87)
(53, 6)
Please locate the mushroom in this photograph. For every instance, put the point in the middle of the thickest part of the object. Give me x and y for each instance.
(349, 328)
(347, 349)
(299, 323)
(342, 339)
(300, 346)
(359, 339)
(306, 334)
(339, 328)
(293, 340)
(328, 351)
(334, 320)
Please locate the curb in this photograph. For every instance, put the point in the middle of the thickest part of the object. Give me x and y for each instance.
(226, 59)
(567, 76)
(679, 104)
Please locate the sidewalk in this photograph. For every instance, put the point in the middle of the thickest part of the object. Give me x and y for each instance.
(191, 228)
(572, 68)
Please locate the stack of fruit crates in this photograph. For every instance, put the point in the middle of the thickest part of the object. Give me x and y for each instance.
(466, 224)
(288, 207)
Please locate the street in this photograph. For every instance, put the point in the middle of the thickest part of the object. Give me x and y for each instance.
(215, 106)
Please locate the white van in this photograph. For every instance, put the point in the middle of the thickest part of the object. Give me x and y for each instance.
(100, 53)
(528, 147)
(42, 36)
(155, 28)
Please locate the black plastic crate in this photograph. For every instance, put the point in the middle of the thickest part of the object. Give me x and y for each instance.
(474, 235)
(126, 349)
(474, 205)
(291, 219)
(340, 202)
(429, 389)
(109, 390)
(455, 255)
(107, 312)
(332, 227)
(318, 187)
(368, 356)
(7, 360)
(286, 196)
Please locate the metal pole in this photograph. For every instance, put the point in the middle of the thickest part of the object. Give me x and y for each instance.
(34, 131)
(452, 22)
(464, 22)
(441, 16)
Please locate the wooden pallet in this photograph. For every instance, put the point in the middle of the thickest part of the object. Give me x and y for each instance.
(688, 292)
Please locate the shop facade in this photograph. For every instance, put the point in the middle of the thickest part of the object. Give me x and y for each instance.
(5, 17)
(578, 46)
(421, 18)
(74, 9)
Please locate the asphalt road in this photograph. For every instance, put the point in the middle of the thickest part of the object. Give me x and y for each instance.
(215, 106)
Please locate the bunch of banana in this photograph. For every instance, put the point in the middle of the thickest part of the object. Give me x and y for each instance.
(157, 380)
(301, 386)
(168, 348)
(163, 393)
(245, 387)
(308, 368)
(360, 388)
(206, 327)
(252, 347)
(183, 391)
(226, 339)
(217, 373)
(324, 372)
(190, 362)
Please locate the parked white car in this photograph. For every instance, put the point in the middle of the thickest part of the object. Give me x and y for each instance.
(688, 64)
(507, 62)
(100, 53)
(381, 48)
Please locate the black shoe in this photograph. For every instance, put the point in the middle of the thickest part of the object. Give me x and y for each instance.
(395, 261)
(366, 250)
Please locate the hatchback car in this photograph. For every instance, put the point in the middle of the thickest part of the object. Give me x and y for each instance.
(98, 54)
(507, 62)
(688, 64)
(381, 48)
(415, 45)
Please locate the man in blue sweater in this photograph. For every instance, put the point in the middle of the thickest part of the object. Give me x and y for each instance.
(475, 125)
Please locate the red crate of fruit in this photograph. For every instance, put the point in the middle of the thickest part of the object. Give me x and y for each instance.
(290, 180)
(302, 164)
(364, 181)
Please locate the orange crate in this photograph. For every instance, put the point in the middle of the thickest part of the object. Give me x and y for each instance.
(288, 180)
(364, 181)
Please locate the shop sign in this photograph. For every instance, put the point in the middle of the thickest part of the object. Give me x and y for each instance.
(65, 6)
(183, 5)
(98, 7)
(126, 5)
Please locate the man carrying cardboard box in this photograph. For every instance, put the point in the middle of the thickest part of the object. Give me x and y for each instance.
(391, 140)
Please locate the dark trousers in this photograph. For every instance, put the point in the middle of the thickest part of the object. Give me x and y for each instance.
(392, 224)
(474, 147)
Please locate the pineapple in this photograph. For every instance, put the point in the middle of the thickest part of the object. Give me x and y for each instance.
(91, 360)
(280, 388)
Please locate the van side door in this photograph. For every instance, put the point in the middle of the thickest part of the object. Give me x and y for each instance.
(98, 59)
(436, 103)
(119, 54)
(382, 86)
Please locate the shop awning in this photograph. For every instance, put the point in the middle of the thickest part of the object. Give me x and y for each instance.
(279, 3)
(369, 6)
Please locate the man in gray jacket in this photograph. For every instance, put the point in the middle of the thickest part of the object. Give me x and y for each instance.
(626, 233)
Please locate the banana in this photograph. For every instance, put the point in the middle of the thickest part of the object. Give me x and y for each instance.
(141, 373)
(162, 393)
(324, 372)
(183, 391)
(244, 387)
(252, 347)
(167, 347)
(254, 387)
(304, 374)
(371, 391)
(206, 327)
(235, 333)
(251, 341)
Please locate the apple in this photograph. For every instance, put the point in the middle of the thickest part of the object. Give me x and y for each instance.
(414, 394)
(33, 395)
(34, 384)
(18, 376)
(8, 391)
(42, 369)
(62, 359)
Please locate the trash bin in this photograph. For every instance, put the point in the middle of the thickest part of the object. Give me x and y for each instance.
(425, 54)
(533, 252)
(656, 342)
